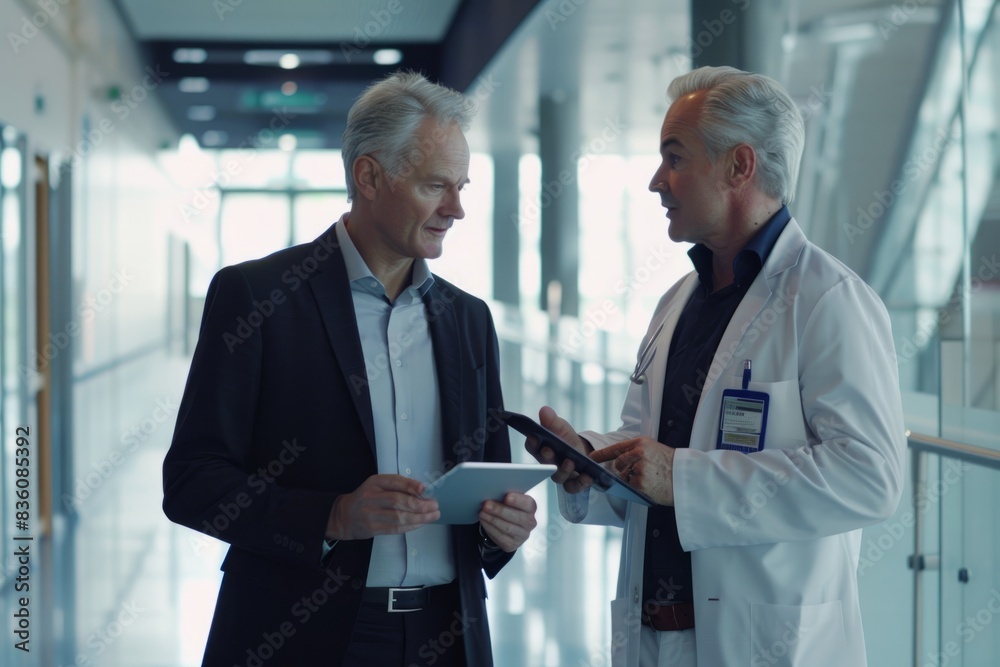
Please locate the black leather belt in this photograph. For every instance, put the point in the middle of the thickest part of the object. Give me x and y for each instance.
(413, 598)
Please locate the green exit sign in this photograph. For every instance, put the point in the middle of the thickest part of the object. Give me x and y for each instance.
(275, 99)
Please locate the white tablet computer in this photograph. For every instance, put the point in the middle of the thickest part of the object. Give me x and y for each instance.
(461, 491)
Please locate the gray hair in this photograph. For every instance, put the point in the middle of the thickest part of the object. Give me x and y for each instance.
(744, 108)
(384, 121)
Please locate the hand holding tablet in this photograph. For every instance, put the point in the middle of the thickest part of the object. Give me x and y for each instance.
(461, 491)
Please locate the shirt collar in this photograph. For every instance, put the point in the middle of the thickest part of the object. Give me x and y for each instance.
(360, 275)
(749, 260)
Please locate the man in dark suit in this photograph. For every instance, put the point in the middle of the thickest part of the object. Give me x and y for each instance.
(330, 382)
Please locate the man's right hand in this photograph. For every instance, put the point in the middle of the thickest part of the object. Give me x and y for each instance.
(566, 475)
(382, 505)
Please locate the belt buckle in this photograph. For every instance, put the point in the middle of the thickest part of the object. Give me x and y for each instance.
(392, 600)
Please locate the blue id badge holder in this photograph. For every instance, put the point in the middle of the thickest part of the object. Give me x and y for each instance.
(743, 419)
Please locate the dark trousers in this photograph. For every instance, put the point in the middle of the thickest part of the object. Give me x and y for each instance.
(430, 637)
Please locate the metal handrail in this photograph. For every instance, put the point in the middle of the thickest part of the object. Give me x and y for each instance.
(922, 445)
(988, 458)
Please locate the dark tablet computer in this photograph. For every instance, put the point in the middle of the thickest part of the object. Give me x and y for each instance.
(604, 480)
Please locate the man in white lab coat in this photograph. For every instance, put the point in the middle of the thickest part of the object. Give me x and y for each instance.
(750, 555)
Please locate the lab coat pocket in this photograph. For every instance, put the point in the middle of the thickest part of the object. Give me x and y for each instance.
(785, 422)
(796, 636)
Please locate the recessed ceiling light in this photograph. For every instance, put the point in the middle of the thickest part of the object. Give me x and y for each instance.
(190, 55)
(193, 84)
(283, 58)
(289, 87)
(387, 56)
(287, 142)
(201, 112)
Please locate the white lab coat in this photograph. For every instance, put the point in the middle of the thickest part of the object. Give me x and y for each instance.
(774, 536)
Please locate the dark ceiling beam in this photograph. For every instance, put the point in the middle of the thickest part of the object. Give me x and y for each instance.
(477, 33)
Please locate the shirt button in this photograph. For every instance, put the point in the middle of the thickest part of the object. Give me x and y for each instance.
(670, 423)
(407, 471)
(403, 417)
(398, 363)
(413, 552)
(656, 532)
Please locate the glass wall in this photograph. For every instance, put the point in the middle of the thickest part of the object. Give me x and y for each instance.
(899, 181)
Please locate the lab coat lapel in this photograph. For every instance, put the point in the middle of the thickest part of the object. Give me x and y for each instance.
(783, 256)
(332, 291)
(657, 371)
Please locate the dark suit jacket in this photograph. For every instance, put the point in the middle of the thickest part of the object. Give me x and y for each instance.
(276, 423)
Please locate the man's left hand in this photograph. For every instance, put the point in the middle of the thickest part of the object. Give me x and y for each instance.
(644, 463)
(509, 523)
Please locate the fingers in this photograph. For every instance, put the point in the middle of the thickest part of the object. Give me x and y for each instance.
(566, 471)
(394, 522)
(578, 484)
(606, 454)
(548, 418)
(509, 523)
(396, 483)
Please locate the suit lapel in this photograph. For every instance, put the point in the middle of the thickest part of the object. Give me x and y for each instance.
(332, 291)
(448, 362)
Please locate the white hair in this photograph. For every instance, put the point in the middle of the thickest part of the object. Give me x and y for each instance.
(744, 108)
(383, 123)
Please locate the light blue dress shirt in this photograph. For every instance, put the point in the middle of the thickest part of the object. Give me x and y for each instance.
(403, 382)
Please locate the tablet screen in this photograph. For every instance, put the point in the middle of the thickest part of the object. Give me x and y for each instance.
(604, 480)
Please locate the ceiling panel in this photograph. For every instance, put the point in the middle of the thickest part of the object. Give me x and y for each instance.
(368, 21)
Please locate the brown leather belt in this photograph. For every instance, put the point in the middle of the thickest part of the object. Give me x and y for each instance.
(669, 616)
